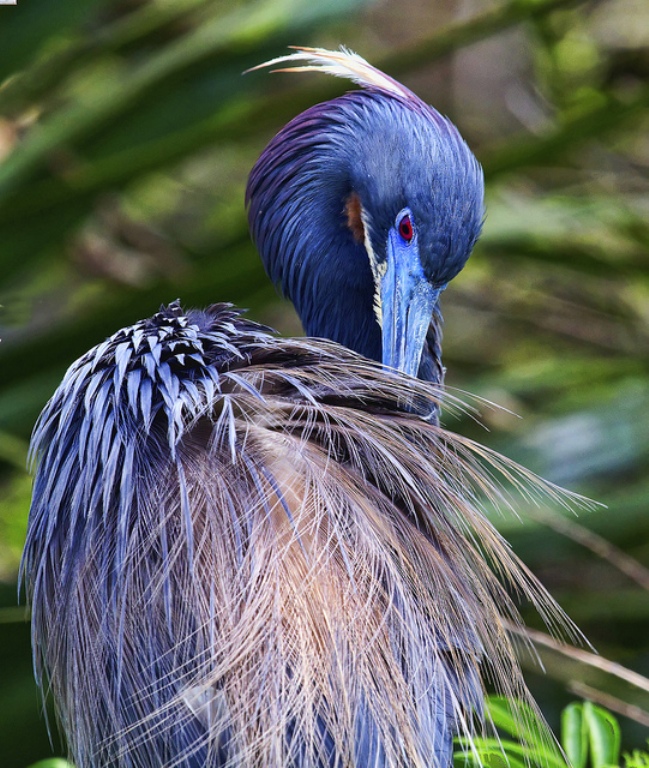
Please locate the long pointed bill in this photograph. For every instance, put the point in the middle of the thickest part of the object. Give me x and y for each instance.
(407, 304)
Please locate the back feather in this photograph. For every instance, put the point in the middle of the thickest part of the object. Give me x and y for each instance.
(246, 551)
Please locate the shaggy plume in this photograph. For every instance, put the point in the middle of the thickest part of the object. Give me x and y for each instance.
(246, 551)
(343, 63)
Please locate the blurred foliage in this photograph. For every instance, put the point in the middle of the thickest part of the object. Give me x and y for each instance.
(126, 133)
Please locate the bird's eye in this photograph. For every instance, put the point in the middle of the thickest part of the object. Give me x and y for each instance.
(406, 229)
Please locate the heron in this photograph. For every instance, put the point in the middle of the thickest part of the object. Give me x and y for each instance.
(245, 550)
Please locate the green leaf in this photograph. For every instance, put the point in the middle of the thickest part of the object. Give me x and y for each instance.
(574, 738)
(519, 720)
(492, 753)
(603, 735)
(535, 743)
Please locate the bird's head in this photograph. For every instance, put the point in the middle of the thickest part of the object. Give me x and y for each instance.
(363, 208)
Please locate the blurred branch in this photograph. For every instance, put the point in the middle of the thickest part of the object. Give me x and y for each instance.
(595, 543)
(463, 33)
(512, 155)
(51, 70)
(579, 655)
(610, 702)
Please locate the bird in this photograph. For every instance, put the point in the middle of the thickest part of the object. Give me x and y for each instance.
(245, 550)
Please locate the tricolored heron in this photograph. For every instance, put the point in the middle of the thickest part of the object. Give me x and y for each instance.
(249, 551)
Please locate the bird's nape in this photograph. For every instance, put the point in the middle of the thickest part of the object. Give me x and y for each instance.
(248, 551)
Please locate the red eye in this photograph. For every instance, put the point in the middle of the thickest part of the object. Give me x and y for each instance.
(405, 229)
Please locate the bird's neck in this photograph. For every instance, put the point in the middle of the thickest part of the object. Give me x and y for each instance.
(297, 196)
(338, 303)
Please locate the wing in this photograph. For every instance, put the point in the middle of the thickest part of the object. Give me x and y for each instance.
(248, 551)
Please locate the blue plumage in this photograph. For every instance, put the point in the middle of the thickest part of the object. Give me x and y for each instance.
(246, 551)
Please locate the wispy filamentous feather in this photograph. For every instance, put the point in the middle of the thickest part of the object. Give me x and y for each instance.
(246, 551)
(342, 63)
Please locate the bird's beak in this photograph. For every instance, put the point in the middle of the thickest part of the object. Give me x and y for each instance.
(407, 304)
